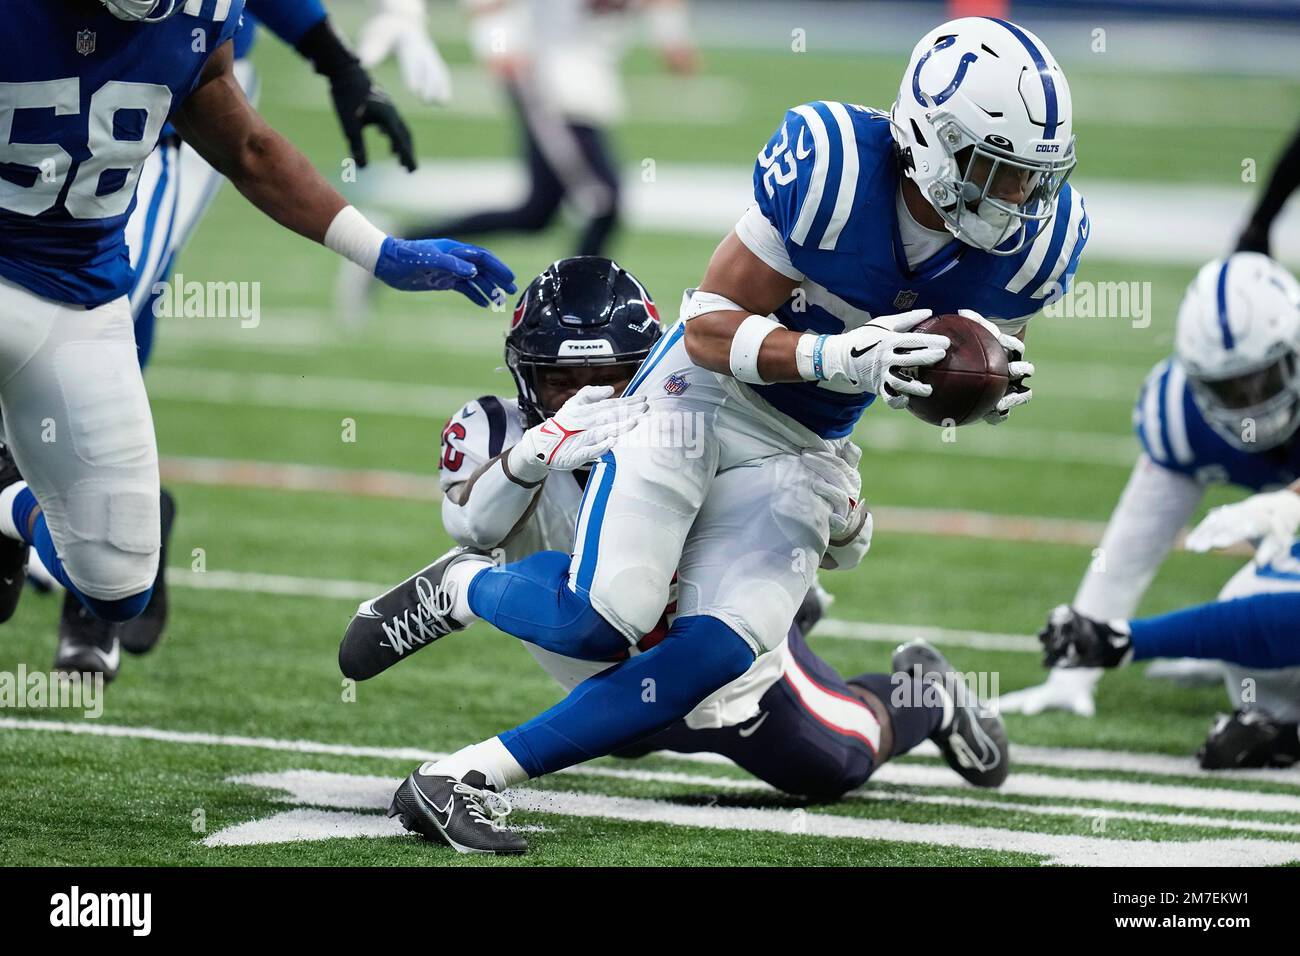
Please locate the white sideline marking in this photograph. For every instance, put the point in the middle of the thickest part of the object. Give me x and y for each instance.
(343, 590)
(319, 788)
(1063, 758)
(299, 825)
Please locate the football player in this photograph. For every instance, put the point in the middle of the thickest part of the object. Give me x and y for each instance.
(85, 91)
(1224, 409)
(1251, 629)
(579, 333)
(176, 188)
(955, 200)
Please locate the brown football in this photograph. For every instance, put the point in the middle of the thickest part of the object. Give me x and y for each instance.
(970, 380)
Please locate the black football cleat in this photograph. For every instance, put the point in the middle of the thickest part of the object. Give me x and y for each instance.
(975, 742)
(13, 554)
(464, 814)
(400, 622)
(140, 634)
(1248, 738)
(1071, 640)
(87, 645)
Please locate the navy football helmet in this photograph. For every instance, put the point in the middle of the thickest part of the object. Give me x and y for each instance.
(582, 311)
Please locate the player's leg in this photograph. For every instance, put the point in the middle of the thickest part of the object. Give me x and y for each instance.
(601, 189)
(1264, 728)
(640, 502)
(78, 424)
(534, 212)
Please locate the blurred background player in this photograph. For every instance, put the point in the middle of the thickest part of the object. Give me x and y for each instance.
(177, 187)
(558, 61)
(1224, 409)
(1281, 184)
(804, 316)
(96, 83)
(791, 720)
(1251, 632)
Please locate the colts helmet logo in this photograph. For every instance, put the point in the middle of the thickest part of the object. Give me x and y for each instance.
(85, 42)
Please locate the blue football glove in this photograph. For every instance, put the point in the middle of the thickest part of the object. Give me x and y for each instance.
(417, 265)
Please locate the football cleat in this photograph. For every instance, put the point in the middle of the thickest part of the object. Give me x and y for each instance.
(814, 607)
(140, 634)
(1248, 738)
(395, 625)
(465, 814)
(87, 645)
(975, 742)
(13, 554)
(1072, 640)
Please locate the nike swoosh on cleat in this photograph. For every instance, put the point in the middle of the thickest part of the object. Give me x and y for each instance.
(752, 728)
(367, 609)
(434, 808)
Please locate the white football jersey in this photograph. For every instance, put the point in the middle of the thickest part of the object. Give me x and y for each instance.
(487, 426)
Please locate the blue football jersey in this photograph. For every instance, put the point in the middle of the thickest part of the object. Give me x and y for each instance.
(827, 182)
(1176, 436)
(84, 97)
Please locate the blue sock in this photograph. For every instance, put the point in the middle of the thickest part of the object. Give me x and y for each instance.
(1255, 631)
(531, 600)
(633, 699)
(122, 609)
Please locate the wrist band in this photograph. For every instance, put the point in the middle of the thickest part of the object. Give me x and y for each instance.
(745, 346)
(819, 369)
(355, 238)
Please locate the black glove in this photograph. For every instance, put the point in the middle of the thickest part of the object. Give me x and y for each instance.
(358, 100)
(1072, 640)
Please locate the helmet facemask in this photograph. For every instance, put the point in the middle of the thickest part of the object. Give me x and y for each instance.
(143, 11)
(529, 371)
(1254, 410)
(962, 194)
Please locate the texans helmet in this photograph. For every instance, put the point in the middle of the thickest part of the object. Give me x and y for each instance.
(586, 310)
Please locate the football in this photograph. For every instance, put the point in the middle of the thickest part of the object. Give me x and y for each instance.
(970, 379)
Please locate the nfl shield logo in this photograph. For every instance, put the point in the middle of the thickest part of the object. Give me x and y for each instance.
(85, 42)
(904, 299)
(676, 384)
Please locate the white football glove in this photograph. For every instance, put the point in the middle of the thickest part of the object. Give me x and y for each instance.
(1017, 369)
(585, 427)
(1270, 519)
(1067, 688)
(399, 27)
(837, 483)
(868, 358)
(847, 552)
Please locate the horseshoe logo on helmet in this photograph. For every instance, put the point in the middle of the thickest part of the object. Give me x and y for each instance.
(943, 95)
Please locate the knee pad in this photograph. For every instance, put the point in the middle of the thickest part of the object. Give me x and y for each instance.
(111, 537)
(633, 599)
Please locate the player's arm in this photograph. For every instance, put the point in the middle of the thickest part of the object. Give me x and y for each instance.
(358, 100)
(218, 121)
(1155, 506)
(486, 509)
(1269, 520)
(731, 330)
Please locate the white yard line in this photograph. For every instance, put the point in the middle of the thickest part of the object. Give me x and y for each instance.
(317, 788)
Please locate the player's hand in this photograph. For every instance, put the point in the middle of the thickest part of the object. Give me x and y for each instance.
(1071, 640)
(421, 265)
(399, 27)
(838, 483)
(1066, 689)
(360, 102)
(585, 427)
(847, 551)
(1269, 519)
(871, 357)
(1018, 393)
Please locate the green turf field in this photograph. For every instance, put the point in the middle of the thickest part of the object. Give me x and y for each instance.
(245, 684)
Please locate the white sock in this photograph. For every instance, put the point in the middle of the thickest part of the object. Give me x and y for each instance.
(458, 579)
(490, 758)
(7, 496)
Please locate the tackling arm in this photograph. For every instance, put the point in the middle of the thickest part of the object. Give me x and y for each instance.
(487, 509)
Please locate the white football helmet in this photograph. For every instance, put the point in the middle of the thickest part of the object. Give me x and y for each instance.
(983, 100)
(144, 11)
(1237, 338)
